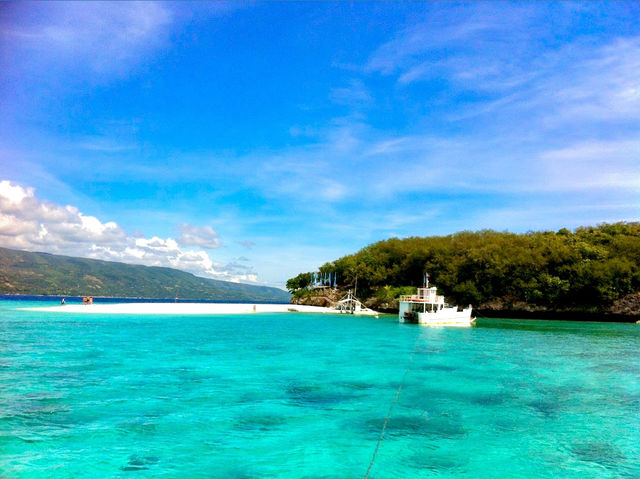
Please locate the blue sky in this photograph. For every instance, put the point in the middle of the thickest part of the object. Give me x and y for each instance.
(253, 141)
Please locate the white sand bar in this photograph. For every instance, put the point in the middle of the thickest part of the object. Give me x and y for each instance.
(181, 308)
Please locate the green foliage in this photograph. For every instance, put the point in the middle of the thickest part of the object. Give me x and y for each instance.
(23, 272)
(590, 267)
(302, 281)
(388, 294)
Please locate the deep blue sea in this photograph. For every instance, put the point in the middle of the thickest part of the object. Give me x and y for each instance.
(295, 395)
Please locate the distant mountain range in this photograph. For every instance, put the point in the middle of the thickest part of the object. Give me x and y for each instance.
(24, 272)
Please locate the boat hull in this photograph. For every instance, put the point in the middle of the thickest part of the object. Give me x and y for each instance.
(443, 317)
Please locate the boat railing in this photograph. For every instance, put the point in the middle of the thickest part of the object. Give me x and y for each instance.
(436, 299)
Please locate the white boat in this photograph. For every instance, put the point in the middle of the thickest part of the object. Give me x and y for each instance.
(428, 308)
(349, 304)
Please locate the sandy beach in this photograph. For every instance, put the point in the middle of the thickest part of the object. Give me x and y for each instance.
(181, 308)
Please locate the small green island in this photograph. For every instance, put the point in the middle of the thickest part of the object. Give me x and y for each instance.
(591, 273)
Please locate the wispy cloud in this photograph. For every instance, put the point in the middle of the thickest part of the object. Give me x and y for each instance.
(355, 94)
(103, 144)
(592, 165)
(506, 65)
(105, 39)
(387, 165)
(552, 214)
(477, 27)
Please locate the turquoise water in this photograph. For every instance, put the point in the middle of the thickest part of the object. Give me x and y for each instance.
(305, 396)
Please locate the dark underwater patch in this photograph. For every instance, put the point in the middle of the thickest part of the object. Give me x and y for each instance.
(139, 463)
(260, 422)
(546, 407)
(598, 452)
(439, 367)
(90, 353)
(501, 423)
(315, 396)
(439, 427)
(355, 385)
(494, 399)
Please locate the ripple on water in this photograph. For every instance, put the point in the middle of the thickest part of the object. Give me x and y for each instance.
(136, 426)
(430, 398)
(614, 367)
(33, 411)
(438, 461)
(239, 473)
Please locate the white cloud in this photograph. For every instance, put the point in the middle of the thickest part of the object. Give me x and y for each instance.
(204, 236)
(29, 223)
(13, 195)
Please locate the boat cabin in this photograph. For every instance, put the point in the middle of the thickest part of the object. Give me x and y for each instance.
(426, 300)
(428, 307)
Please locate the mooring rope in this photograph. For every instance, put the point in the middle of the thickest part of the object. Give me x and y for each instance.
(393, 403)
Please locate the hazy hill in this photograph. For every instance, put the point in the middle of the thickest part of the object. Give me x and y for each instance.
(23, 272)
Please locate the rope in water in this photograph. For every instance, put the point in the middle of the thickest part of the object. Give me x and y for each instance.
(393, 403)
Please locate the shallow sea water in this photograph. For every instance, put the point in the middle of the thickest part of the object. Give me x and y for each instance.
(306, 395)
